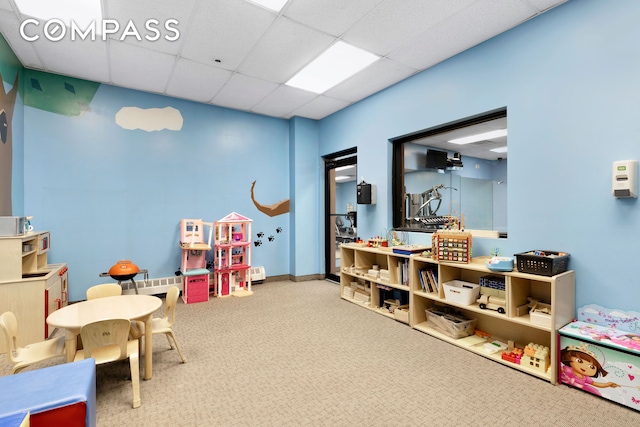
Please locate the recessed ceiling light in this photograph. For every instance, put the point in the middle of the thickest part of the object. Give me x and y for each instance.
(275, 5)
(336, 64)
(342, 168)
(499, 150)
(479, 137)
(82, 12)
(343, 177)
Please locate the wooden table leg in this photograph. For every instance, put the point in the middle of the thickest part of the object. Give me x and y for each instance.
(148, 349)
(70, 344)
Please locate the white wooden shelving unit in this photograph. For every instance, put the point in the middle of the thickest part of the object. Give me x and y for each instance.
(513, 325)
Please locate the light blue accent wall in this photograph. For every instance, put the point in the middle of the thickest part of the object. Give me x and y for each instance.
(307, 220)
(107, 193)
(569, 80)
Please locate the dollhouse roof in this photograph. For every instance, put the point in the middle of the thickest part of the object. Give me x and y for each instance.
(235, 217)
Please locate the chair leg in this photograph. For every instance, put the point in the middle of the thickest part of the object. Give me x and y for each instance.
(184, 360)
(170, 343)
(135, 379)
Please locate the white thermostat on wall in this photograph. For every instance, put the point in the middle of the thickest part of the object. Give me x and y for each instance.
(625, 178)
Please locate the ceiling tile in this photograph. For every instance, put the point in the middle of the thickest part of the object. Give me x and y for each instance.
(331, 16)
(377, 76)
(195, 81)
(285, 49)
(225, 30)
(243, 92)
(90, 58)
(10, 28)
(283, 101)
(258, 49)
(475, 24)
(395, 22)
(543, 5)
(138, 68)
(140, 11)
(319, 107)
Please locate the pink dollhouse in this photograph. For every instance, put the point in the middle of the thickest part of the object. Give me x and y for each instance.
(232, 256)
(193, 264)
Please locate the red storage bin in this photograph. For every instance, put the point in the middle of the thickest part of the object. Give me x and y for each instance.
(195, 289)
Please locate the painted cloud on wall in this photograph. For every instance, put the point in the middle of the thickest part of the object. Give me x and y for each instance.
(149, 119)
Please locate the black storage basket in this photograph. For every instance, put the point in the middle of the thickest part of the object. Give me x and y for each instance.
(544, 265)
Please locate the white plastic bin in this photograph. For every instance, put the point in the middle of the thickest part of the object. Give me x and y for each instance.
(461, 292)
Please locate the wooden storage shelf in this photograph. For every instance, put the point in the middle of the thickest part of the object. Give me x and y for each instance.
(29, 286)
(27, 254)
(515, 324)
(357, 260)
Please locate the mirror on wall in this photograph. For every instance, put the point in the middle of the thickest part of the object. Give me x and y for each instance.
(453, 173)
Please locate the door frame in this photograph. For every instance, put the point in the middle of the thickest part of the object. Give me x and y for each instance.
(331, 162)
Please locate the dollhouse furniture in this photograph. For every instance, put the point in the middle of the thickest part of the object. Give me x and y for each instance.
(193, 265)
(60, 395)
(608, 339)
(232, 256)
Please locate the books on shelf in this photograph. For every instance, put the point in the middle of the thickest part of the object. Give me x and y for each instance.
(403, 272)
(429, 280)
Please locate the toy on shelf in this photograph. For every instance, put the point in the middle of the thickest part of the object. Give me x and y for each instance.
(193, 264)
(536, 356)
(378, 242)
(232, 256)
(454, 246)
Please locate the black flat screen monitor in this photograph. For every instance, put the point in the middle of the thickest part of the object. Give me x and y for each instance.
(436, 159)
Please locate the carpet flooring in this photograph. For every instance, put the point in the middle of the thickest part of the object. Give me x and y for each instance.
(296, 354)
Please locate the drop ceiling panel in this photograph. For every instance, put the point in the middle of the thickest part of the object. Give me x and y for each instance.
(91, 62)
(331, 16)
(225, 30)
(481, 21)
(380, 75)
(285, 49)
(283, 101)
(543, 5)
(396, 22)
(199, 82)
(10, 29)
(319, 107)
(261, 49)
(243, 92)
(140, 11)
(139, 68)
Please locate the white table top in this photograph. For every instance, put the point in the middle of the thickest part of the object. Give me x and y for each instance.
(132, 307)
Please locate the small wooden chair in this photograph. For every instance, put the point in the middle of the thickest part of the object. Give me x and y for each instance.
(22, 357)
(164, 325)
(104, 290)
(107, 341)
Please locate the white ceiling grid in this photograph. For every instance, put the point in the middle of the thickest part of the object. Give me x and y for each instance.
(236, 54)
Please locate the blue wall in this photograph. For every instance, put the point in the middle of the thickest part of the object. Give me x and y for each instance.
(107, 193)
(569, 80)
